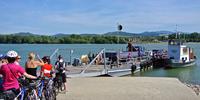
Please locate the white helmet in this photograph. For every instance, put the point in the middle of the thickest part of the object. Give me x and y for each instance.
(12, 54)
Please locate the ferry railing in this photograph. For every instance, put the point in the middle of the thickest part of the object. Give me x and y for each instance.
(54, 53)
(100, 53)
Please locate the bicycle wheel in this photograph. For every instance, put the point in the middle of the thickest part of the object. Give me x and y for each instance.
(31, 96)
(56, 87)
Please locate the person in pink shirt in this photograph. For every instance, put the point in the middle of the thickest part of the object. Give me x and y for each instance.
(9, 72)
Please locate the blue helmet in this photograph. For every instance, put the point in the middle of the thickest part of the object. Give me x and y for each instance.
(2, 56)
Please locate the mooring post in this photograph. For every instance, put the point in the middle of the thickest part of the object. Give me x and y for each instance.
(71, 51)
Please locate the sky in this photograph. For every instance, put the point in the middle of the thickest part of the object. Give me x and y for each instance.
(98, 16)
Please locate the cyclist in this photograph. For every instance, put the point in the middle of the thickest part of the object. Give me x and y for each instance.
(60, 67)
(9, 72)
(3, 60)
(47, 67)
(32, 64)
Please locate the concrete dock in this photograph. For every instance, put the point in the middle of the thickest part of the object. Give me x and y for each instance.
(127, 88)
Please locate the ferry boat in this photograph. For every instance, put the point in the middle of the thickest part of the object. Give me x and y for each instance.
(131, 52)
(180, 55)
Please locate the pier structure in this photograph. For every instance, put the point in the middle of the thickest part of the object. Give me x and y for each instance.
(102, 66)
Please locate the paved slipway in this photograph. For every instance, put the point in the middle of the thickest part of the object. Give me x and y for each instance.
(127, 88)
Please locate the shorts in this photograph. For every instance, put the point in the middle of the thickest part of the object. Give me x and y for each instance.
(63, 75)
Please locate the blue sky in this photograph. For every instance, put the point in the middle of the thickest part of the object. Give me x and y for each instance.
(98, 16)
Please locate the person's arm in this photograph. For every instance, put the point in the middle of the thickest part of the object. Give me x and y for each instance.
(42, 71)
(65, 65)
(26, 66)
(56, 65)
(22, 71)
(39, 63)
(29, 76)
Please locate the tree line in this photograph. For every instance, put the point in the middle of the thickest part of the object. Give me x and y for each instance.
(71, 39)
(98, 39)
(192, 37)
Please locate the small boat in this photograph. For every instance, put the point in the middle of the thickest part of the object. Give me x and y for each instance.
(180, 55)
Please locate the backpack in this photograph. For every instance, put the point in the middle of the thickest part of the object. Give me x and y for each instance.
(60, 66)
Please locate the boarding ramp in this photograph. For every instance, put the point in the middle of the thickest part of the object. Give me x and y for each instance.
(82, 64)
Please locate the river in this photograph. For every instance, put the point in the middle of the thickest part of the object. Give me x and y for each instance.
(189, 74)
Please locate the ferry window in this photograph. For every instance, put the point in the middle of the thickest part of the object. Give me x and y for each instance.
(173, 51)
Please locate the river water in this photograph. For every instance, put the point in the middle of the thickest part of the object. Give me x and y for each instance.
(189, 74)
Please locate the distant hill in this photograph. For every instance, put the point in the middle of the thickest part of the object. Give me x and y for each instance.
(25, 34)
(117, 33)
(65, 35)
(152, 33)
(89, 34)
(156, 33)
(61, 35)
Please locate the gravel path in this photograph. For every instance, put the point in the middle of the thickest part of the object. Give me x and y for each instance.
(127, 88)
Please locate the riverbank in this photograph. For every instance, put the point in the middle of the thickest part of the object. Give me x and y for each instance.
(127, 88)
(194, 87)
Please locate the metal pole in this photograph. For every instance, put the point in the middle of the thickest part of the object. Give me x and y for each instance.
(176, 32)
(105, 68)
(118, 57)
(54, 53)
(71, 51)
(118, 33)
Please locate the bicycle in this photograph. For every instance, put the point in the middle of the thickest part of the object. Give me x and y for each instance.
(46, 89)
(58, 83)
(49, 90)
(27, 91)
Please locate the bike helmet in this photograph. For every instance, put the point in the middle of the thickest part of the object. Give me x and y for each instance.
(12, 54)
(59, 57)
(2, 56)
(46, 59)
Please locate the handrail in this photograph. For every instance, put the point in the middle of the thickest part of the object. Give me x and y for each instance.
(83, 71)
(54, 53)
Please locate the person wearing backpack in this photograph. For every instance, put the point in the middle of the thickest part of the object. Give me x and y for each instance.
(60, 67)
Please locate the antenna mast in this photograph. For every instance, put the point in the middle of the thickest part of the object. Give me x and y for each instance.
(176, 32)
